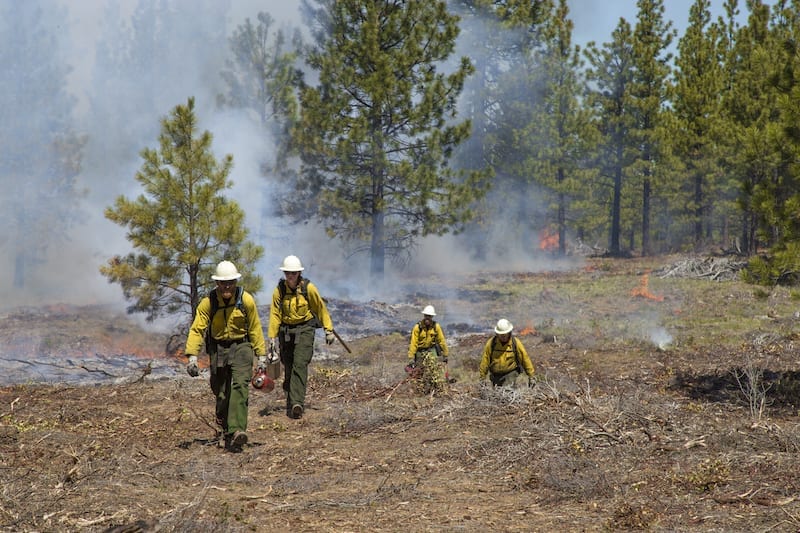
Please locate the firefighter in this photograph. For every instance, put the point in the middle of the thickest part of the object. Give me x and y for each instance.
(231, 329)
(504, 358)
(297, 310)
(427, 338)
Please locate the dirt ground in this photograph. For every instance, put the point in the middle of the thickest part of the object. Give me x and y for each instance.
(674, 408)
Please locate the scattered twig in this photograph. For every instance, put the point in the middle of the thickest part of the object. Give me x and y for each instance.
(389, 397)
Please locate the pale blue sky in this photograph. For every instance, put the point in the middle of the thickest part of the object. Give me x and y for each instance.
(596, 19)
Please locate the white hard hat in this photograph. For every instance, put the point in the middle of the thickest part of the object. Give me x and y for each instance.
(503, 326)
(226, 271)
(429, 310)
(292, 264)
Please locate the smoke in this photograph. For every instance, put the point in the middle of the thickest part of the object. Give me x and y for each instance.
(181, 55)
(661, 338)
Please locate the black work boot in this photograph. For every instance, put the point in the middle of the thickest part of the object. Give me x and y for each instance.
(297, 411)
(236, 441)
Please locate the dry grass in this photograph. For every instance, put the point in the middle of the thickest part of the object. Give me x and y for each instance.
(617, 434)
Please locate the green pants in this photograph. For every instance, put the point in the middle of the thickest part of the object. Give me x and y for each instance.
(508, 379)
(297, 348)
(231, 371)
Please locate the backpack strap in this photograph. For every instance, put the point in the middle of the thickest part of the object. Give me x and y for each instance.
(302, 288)
(514, 341)
(212, 296)
(302, 285)
(421, 322)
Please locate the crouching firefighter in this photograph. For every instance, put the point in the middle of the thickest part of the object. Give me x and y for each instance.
(504, 358)
(427, 341)
(227, 321)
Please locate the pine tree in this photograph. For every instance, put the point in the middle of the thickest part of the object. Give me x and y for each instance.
(776, 197)
(502, 106)
(560, 134)
(262, 77)
(376, 133)
(182, 225)
(611, 76)
(494, 38)
(652, 36)
(42, 152)
(696, 104)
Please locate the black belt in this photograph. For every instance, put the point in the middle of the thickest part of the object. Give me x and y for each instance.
(229, 343)
(292, 327)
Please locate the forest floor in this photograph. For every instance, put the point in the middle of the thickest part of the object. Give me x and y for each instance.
(666, 400)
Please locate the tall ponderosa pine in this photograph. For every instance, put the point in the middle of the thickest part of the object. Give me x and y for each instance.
(181, 224)
(262, 76)
(511, 96)
(42, 153)
(652, 37)
(611, 77)
(749, 111)
(557, 139)
(776, 197)
(696, 104)
(494, 38)
(375, 135)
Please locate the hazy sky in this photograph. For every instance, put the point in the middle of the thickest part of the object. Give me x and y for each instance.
(99, 239)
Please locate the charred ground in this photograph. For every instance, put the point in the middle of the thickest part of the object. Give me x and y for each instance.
(665, 402)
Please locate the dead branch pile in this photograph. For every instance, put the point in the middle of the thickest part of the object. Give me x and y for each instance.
(711, 268)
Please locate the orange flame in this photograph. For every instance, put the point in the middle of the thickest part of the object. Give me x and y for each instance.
(643, 291)
(548, 240)
(528, 330)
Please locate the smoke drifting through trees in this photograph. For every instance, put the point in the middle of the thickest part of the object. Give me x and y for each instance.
(116, 69)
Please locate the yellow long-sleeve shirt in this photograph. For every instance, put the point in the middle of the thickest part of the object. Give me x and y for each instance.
(229, 323)
(498, 358)
(423, 338)
(293, 308)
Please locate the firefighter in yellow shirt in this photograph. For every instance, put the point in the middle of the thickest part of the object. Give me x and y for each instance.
(297, 310)
(231, 330)
(426, 336)
(504, 357)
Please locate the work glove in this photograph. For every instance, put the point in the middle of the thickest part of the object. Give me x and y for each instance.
(445, 360)
(531, 382)
(262, 363)
(329, 337)
(192, 369)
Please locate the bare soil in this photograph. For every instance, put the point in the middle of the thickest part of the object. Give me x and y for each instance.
(624, 430)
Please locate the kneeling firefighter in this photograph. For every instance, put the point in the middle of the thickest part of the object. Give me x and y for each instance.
(504, 357)
(427, 339)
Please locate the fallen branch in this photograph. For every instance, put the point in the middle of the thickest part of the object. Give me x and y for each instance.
(389, 397)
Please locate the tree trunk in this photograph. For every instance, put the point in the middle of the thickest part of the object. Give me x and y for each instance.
(646, 192)
(562, 225)
(377, 249)
(613, 247)
(698, 210)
